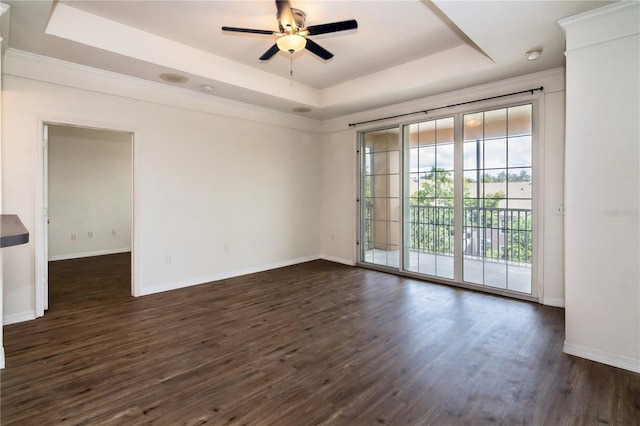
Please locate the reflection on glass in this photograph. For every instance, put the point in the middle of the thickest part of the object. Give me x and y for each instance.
(495, 124)
(394, 162)
(380, 186)
(444, 130)
(473, 127)
(519, 120)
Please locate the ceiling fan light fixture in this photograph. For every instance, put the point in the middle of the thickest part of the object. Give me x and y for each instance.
(473, 122)
(291, 43)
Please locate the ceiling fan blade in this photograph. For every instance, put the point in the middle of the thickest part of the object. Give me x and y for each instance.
(315, 48)
(247, 30)
(269, 53)
(332, 27)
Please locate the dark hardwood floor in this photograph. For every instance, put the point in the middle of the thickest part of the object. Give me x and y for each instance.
(316, 343)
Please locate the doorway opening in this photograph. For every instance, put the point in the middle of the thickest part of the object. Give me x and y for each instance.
(88, 209)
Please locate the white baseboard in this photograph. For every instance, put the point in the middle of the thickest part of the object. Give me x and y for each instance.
(18, 317)
(89, 254)
(1, 357)
(603, 357)
(335, 259)
(223, 276)
(553, 301)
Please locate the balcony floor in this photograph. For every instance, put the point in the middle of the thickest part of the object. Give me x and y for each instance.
(497, 274)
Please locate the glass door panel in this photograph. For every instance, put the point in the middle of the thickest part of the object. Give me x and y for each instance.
(497, 199)
(380, 207)
(429, 198)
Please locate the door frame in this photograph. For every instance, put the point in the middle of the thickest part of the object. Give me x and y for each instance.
(41, 247)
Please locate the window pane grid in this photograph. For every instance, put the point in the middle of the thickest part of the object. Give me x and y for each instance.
(429, 204)
(497, 167)
(380, 210)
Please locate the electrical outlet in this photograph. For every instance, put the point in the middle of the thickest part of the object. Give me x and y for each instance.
(169, 259)
(73, 237)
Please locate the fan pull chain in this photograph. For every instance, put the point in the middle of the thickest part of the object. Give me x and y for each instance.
(291, 64)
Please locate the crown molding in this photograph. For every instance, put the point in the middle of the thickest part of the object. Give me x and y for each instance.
(603, 11)
(552, 80)
(21, 64)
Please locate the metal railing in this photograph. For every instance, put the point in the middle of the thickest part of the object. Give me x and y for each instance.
(489, 232)
(498, 233)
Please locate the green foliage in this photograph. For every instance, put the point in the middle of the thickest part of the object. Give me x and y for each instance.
(523, 176)
(431, 228)
(520, 238)
(437, 190)
(367, 186)
(432, 216)
(491, 200)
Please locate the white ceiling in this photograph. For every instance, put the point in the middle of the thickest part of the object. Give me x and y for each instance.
(402, 50)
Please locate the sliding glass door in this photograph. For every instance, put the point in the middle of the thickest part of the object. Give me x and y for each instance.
(380, 183)
(498, 219)
(452, 198)
(429, 198)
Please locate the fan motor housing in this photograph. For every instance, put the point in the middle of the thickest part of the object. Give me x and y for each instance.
(298, 16)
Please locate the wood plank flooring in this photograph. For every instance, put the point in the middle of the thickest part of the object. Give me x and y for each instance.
(312, 344)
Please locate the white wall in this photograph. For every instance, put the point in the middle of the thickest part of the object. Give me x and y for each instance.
(339, 207)
(202, 180)
(602, 185)
(339, 165)
(553, 202)
(89, 192)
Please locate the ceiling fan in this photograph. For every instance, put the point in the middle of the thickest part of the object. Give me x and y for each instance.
(292, 34)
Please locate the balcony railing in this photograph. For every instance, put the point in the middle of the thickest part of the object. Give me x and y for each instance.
(489, 232)
(498, 233)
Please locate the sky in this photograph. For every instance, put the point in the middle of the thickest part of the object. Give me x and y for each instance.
(493, 154)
